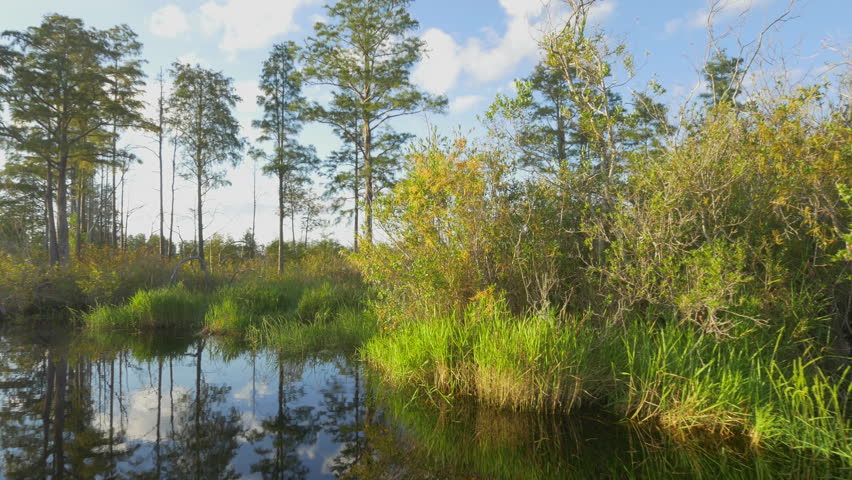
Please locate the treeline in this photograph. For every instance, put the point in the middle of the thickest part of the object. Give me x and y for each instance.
(68, 93)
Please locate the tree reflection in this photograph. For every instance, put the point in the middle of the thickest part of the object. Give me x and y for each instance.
(343, 415)
(204, 441)
(47, 417)
(279, 436)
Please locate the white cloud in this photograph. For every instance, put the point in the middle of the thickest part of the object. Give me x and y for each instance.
(440, 68)
(724, 10)
(248, 90)
(142, 414)
(601, 11)
(493, 57)
(248, 24)
(465, 103)
(169, 21)
(192, 58)
(246, 392)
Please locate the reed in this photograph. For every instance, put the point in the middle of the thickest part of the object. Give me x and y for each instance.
(672, 376)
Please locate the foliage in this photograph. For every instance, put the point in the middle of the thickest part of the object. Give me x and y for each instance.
(366, 52)
(64, 84)
(201, 110)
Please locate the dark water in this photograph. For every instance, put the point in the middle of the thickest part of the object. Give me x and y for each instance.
(76, 405)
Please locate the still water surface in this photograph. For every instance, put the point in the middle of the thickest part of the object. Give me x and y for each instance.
(76, 405)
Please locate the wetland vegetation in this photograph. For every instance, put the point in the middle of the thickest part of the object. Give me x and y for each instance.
(601, 285)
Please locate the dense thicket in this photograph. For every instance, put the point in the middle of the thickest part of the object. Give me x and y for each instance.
(583, 202)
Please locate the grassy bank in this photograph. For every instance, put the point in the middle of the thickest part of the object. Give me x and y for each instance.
(162, 308)
(293, 315)
(670, 375)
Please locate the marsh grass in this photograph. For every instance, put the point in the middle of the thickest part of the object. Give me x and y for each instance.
(672, 376)
(234, 309)
(346, 331)
(172, 307)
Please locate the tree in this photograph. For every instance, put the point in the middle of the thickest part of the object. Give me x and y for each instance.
(124, 73)
(724, 76)
(545, 139)
(200, 109)
(344, 169)
(283, 104)
(366, 53)
(161, 134)
(61, 91)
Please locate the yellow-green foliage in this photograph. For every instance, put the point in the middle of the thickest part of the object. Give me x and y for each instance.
(19, 281)
(733, 217)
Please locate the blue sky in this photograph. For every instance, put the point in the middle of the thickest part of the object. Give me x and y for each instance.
(476, 49)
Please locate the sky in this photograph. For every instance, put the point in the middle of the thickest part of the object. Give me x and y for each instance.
(475, 50)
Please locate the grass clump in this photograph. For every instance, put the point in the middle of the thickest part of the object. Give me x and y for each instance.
(236, 308)
(169, 307)
(347, 330)
(531, 363)
(323, 302)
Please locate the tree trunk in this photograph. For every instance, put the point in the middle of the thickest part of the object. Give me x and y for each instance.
(293, 220)
(81, 215)
(253, 205)
(123, 228)
(160, 159)
(368, 180)
(356, 182)
(172, 208)
(199, 215)
(52, 247)
(62, 206)
(280, 222)
(114, 191)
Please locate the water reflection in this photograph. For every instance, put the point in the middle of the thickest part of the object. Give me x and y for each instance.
(183, 407)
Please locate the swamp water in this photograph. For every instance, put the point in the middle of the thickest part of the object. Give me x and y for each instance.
(75, 405)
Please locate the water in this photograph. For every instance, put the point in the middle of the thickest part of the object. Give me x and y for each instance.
(74, 405)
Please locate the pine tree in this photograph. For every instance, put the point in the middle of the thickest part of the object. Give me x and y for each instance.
(365, 53)
(201, 110)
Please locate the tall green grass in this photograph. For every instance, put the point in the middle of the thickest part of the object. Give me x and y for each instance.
(163, 308)
(290, 315)
(347, 330)
(671, 375)
(236, 308)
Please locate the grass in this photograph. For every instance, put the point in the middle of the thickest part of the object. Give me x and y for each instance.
(163, 308)
(234, 309)
(290, 315)
(671, 375)
(346, 331)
